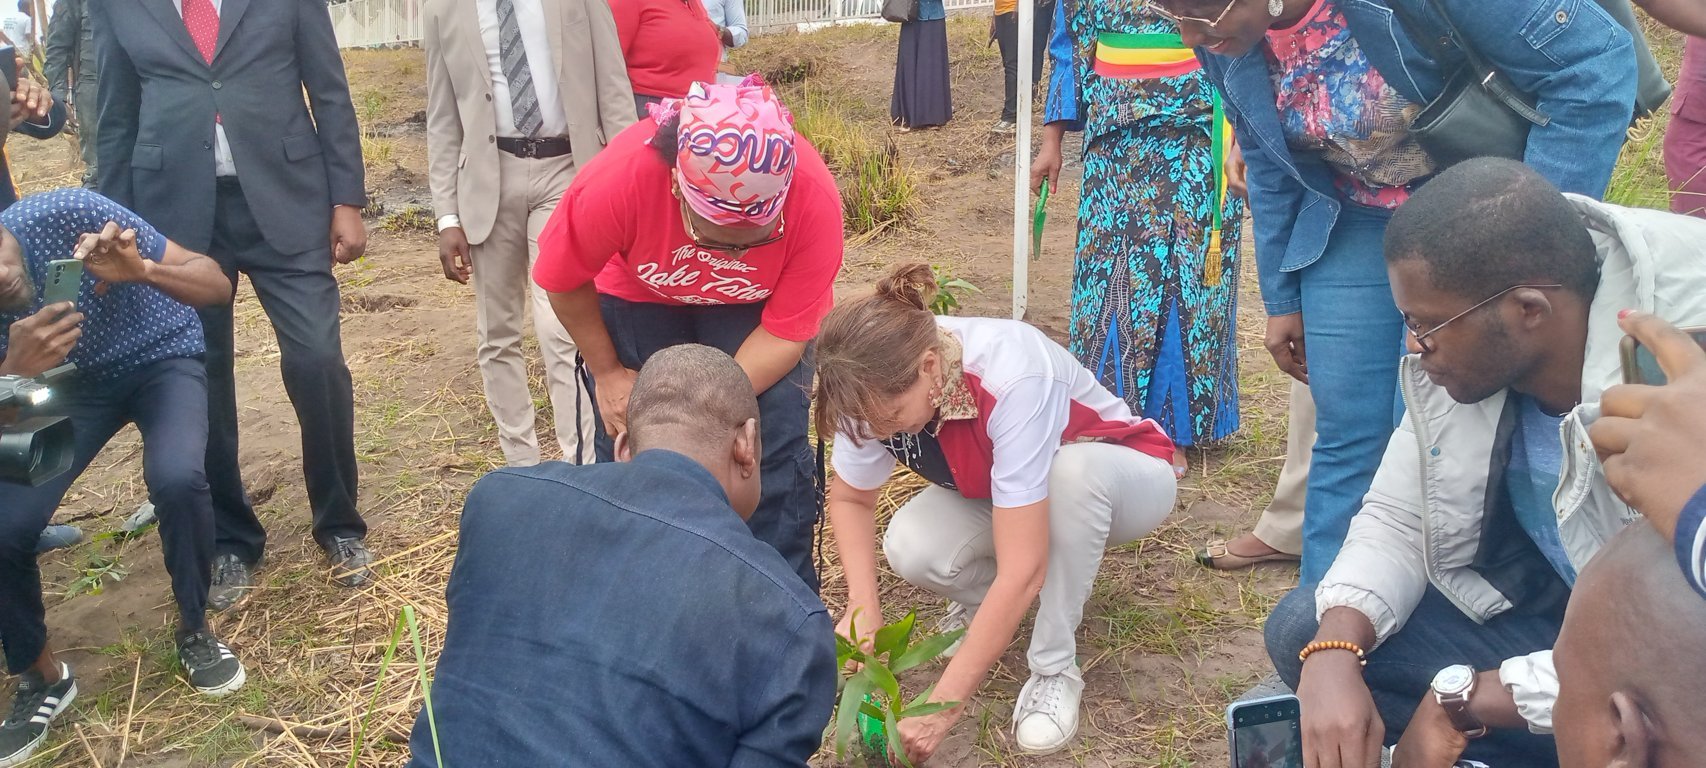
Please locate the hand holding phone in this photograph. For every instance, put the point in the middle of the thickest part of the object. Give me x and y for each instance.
(1265, 733)
(1649, 438)
(64, 280)
(1640, 366)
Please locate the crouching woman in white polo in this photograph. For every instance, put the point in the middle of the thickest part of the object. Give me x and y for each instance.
(1035, 470)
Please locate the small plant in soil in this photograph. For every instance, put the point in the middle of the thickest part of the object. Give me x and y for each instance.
(949, 290)
(871, 706)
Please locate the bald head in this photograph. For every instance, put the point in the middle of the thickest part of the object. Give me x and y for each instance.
(1629, 662)
(689, 399)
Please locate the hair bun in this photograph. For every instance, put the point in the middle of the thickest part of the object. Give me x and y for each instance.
(911, 284)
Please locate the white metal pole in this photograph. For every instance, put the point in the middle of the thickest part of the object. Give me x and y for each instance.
(1022, 164)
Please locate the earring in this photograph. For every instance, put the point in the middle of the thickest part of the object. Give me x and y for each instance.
(1276, 7)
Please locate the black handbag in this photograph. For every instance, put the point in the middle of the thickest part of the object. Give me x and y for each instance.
(1479, 114)
(900, 11)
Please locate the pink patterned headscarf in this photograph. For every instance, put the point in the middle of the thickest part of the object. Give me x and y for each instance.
(734, 151)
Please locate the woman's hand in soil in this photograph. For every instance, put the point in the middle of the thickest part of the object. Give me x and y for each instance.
(613, 390)
(867, 619)
(922, 736)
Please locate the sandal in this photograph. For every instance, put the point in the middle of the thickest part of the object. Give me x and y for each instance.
(1217, 557)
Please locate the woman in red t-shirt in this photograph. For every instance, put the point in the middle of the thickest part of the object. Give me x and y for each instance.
(669, 46)
(712, 223)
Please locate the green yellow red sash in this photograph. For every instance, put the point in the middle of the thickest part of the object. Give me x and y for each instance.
(1123, 56)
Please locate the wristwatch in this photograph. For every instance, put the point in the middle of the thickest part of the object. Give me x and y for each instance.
(1452, 688)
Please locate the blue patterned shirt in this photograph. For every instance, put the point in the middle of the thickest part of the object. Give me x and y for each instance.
(132, 325)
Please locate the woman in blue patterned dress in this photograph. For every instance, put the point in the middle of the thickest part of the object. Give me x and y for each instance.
(1154, 301)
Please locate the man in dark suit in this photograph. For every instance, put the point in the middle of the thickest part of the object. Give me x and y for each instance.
(225, 158)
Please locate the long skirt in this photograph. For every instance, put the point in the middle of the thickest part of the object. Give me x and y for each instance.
(1149, 316)
(921, 98)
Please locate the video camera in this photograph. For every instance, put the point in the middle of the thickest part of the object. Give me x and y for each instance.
(33, 449)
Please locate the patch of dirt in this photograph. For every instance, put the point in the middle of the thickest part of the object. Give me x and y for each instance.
(365, 303)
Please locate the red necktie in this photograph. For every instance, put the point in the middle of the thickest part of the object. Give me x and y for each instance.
(203, 23)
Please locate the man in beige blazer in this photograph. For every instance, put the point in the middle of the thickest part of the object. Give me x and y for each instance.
(520, 93)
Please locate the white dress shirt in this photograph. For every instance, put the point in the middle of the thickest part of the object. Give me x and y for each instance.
(223, 165)
(530, 17)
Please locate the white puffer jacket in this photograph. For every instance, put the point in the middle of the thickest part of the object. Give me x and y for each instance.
(1422, 519)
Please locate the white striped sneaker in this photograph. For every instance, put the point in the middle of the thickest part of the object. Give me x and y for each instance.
(34, 707)
(213, 669)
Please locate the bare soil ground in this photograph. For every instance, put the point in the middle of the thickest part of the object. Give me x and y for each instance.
(1164, 644)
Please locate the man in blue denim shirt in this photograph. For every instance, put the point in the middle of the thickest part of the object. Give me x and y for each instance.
(623, 614)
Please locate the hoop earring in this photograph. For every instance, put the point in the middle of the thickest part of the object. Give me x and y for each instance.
(1276, 7)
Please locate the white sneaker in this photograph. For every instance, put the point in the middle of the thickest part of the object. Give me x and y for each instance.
(1046, 717)
(958, 618)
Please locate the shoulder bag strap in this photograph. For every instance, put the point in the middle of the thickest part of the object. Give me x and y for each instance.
(1489, 76)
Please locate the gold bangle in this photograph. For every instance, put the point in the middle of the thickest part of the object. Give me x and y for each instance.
(1333, 645)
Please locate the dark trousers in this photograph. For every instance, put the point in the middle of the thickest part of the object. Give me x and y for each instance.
(1402, 669)
(300, 297)
(1007, 39)
(788, 507)
(167, 401)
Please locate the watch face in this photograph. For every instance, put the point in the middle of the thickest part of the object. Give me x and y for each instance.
(1453, 679)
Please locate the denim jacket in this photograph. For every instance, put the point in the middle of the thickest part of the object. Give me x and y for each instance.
(932, 10)
(1570, 55)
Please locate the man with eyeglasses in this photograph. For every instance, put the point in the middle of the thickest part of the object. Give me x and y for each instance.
(710, 223)
(1438, 618)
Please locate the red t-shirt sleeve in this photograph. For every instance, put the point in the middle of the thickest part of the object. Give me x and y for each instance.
(805, 290)
(588, 229)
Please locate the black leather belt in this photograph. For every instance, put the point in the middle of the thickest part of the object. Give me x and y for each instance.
(555, 146)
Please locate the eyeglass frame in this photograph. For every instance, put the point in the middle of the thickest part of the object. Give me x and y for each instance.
(700, 242)
(1178, 19)
(1422, 337)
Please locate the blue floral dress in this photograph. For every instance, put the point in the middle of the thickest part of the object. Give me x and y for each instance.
(1151, 315)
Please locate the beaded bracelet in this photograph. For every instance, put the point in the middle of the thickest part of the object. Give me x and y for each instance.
(1332, 645)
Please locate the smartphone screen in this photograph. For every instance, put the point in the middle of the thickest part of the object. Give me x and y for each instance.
(1266, 733)
(1639, 365)
(64, 278)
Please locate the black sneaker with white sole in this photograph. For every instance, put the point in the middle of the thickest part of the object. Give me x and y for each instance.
(34, 707)
(213, 669)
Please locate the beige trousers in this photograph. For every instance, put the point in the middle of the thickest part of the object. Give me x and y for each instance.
(1100, 496)
(1281, 526)
(503, 290)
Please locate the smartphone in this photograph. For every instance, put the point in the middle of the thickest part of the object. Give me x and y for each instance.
(1639, 365)
(1265, 733)
(64, 278)
(9, 67)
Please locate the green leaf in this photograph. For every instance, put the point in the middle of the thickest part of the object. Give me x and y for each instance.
(885, 680)
(892, 639)
(870, 710)
(961, 285)
(926, 651)
(928, 709)
(847, 712)
(425, 679)
(896, 749)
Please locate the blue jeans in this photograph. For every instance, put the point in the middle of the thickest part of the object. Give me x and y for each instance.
(1401, 671)
(788, 505)
(1352, 331)
(167, 401)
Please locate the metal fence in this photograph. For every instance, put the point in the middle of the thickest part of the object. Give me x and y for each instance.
(377, 23)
